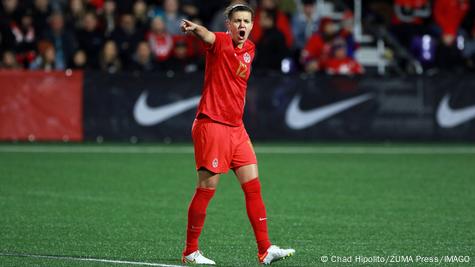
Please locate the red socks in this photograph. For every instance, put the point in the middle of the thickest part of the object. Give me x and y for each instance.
(256, 211)
(196, 218)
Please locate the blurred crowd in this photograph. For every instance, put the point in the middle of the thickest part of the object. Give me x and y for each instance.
(290, 35)
(440, 34)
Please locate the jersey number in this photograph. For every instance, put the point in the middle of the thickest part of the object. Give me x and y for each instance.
(241, 71)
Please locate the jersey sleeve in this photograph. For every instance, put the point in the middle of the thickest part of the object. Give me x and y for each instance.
(218, 43)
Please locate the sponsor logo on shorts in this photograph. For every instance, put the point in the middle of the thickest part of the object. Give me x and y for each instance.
(215, 163)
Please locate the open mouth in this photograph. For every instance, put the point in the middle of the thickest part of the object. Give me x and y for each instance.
(242, 33)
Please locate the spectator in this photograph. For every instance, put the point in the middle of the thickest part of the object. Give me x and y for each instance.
(173, 16)
(108, 17)
(271, 49)
(127, 36)
(46, 59)
(109, 60)
(63, 40)
(25, 39)
(90, 38)
(318, 47)
(304, 23)
(42, 10)
(448, 15)
(140, 14)
(10, 11)
(170, 13)
(346, 33)
(181, 59)
(142, 60)
(9, 61)
(159, 40)
(75, 13)
(410, 19)
(339, 62)
(282, 22)
(80, 60)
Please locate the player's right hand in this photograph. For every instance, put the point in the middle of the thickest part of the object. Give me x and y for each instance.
(187, 26)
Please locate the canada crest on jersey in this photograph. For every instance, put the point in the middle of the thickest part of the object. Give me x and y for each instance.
(247, 57)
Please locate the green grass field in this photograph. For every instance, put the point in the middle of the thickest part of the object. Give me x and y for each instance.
(129, 203)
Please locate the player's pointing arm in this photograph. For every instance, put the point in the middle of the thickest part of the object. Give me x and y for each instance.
(199, 31)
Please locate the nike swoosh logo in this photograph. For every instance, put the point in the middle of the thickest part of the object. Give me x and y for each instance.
(448, 117)
(147, 116)
(298, 119)
(262, 219)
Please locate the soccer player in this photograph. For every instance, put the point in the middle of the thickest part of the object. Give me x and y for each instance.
(220, 140)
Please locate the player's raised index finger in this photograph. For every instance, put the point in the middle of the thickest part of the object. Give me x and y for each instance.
(186, 21)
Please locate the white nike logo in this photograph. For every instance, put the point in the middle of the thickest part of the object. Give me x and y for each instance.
(262, 219)
(448, 117)
(147, 116)
(298, 119)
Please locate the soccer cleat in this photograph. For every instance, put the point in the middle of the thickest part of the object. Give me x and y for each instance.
(274, 253)
(197, 258)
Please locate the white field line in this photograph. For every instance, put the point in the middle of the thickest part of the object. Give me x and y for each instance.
(99, 149)
(69, 258)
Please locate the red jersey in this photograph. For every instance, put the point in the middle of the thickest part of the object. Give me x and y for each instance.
(227, 71)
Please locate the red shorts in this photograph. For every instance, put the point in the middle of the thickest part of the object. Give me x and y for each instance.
(220, 147)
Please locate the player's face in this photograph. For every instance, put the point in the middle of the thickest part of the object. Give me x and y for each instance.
(240, 25)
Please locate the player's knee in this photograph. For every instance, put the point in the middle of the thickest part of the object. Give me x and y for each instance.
(207, 179)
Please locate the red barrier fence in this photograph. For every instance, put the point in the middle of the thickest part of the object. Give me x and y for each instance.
(41, 105)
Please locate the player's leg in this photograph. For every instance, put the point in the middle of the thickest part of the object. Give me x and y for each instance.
(206, 186)
(248, 178)
(256, 211)
(246, 173)
(244, 164)
(207, 179)
(211, 157)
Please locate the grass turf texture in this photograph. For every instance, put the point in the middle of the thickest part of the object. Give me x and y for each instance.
(133, 207)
